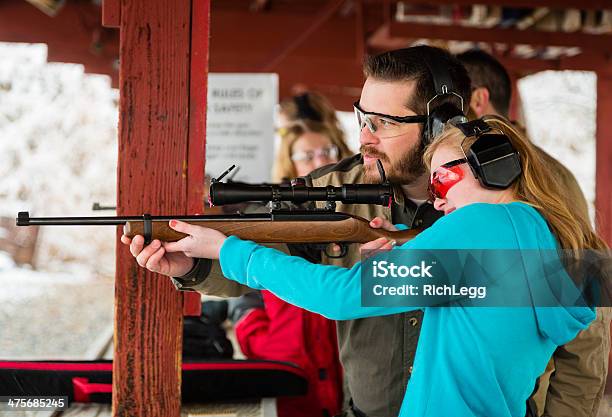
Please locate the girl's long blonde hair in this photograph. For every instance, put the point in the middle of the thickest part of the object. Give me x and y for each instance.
(538, 186)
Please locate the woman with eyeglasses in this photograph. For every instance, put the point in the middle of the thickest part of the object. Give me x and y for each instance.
(470, 361)
(305, 146)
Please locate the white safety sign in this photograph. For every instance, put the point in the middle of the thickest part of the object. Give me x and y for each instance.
(240, 125)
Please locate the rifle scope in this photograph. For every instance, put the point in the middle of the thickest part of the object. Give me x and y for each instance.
(234, 193)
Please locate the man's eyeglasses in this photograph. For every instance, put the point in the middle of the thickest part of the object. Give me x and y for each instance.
(444, 178)
(385, 126)
(330, 153)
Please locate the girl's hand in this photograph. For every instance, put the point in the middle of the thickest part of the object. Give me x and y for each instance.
(380, 223)
(378, 244)
(154, 257)
(382, 243)
(202, 242)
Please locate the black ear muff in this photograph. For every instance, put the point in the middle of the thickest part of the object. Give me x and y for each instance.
(439, 108)
(494, 161)
(441, 115)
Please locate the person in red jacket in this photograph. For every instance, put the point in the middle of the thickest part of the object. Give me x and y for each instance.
(280, 331)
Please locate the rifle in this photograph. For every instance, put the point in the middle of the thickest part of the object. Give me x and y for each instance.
(279, 225)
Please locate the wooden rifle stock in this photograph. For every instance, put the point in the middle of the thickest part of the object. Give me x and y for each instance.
(346, 229)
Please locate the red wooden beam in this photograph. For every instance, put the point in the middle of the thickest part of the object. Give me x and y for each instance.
(69, 35)
(342, 73)
(196, 153)
(238, 31)
(603, 173)
(558, 4)
(200, 29)
(359, 32)
(381, 41)
(111, 13)
(297, 37)
(154, 113)
(582, 62)
(603, 168)
(326, 59)
(587, 42)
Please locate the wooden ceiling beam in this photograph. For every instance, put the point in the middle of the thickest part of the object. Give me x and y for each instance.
(555, 4)
(70, 35)
(111, 13)
(301, 34)
(583, 62)
(585, 41)
(341, 71)
(522, 66)
(237, 31)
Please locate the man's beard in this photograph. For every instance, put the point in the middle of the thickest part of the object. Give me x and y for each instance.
(404, 170)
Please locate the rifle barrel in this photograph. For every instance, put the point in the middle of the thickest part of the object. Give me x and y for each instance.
(24, 219)
(276, 227)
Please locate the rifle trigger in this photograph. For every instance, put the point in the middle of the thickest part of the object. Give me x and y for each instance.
(343, 251)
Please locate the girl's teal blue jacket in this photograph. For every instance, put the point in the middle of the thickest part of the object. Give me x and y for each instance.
(470, 361)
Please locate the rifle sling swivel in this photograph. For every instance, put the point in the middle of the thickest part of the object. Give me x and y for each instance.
(147, 228)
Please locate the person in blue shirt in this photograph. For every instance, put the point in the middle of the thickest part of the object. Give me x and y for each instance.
(496, 193)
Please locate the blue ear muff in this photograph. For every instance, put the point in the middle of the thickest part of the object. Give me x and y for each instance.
(494, 161)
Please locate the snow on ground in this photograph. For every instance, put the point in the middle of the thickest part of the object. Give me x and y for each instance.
(19, 284)
(51, 315)
(58, 142)
(58, 155)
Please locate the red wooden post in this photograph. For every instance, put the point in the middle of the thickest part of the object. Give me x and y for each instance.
(200, 28)
(161, 133)
(111, 13)
(603, 173)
